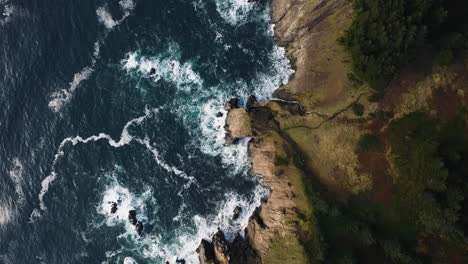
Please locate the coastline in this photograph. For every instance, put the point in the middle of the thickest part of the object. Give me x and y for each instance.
(273, 229)
(309, 144)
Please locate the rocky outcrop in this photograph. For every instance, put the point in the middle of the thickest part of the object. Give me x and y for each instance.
(308, 30)
(238, 125)
(270, 218)
(221, 251)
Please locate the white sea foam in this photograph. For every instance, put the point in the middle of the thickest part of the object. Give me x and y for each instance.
(127, 5)
(125, 139)
(200, 112)
(129, 260)
(234, 11)
(187, 240)
(169, 68)
(7, 13)
(7, 213)
(206, 227)
(9, 206)
(63, 96)
(279, 74)
(105, 17)
(128, 201)
(16, 176)
(213, 135)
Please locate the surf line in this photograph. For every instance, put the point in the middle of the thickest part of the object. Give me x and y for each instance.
(125, 139)
(61, 97)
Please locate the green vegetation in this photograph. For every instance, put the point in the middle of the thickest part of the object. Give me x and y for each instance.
(385, 33)
(425, 210)
(281, 161)
(285, 250)
(423, 148)
(368, 142)
(358, 109)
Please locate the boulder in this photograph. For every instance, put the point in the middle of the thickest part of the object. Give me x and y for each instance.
(206, 253)
(139, 228)
(221, 251)
(152, 71)
(251, 102)
(132, 217)
(113, 208)
(232, 104)
(237, 212)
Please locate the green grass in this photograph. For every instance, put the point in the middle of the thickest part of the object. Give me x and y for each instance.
(286, 250)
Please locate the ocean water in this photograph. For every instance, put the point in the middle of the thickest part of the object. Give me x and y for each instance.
(83, 124)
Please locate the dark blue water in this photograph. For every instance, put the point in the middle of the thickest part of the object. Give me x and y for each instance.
(84, 123)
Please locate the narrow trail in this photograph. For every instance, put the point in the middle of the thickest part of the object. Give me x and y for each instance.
(327, 117)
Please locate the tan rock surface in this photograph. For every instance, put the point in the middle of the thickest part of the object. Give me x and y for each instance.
(238, 124)
(272, 213)
(308, 29)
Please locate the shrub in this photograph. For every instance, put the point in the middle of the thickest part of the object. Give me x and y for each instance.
(444, 57)
(281, 161)
(369, 142)
(355, 81)
(358, 109)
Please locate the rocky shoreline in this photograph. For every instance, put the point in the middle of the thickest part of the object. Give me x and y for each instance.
(269, 218)
(298, 24)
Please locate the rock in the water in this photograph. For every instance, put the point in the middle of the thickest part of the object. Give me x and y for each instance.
(237, 212)
(139, 228)
(132, 217)
(220, 251)
(114, 208)
(232, 104)
(219, 114)
(251, 102)
(152, 71)
(180, 261)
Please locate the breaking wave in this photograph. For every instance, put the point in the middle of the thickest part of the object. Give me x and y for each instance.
(63, 96)
(125, 139)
